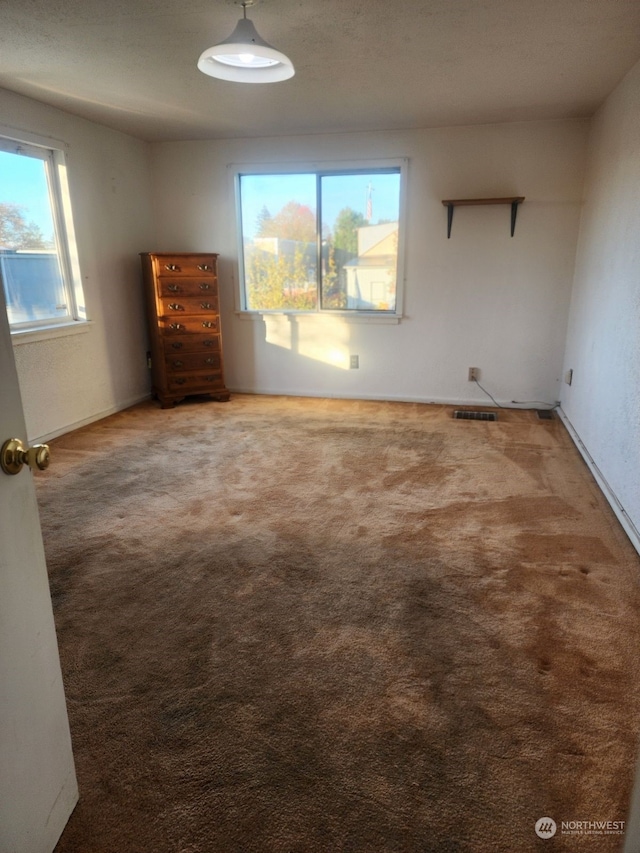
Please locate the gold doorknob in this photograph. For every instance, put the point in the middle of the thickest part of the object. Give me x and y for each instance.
(14, 455)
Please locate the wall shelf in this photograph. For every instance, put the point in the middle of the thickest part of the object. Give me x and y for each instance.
(452, 203)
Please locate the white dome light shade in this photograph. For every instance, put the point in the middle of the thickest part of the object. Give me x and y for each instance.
(245, 58)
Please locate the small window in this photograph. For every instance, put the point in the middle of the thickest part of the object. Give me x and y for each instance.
(322, 240)
(38, 263)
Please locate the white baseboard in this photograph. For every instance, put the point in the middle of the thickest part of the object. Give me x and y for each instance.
(616, 505)
(91, 419)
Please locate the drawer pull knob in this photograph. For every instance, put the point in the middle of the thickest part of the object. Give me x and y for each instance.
(207, 343)
(180, 381)
(209, 361)
(176, 326)
(175, 306)
(172, 267)
(177, 363)
(211, 378)
(204, 267)
(205, 286)
(207, 324)
(207, 306)
(177, 344)
(174, 288)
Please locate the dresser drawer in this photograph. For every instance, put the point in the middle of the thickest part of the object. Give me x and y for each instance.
(188, 325)
(195, 383)
(191, 343)
(170, 287)
(193, 361)
(168, 265)
(180, 305)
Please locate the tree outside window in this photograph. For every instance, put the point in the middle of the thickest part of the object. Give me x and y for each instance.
(312, 241)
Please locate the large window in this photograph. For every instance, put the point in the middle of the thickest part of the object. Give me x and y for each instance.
(321, 240)
(38, 265)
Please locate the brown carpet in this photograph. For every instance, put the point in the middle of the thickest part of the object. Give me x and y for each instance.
(309, 626)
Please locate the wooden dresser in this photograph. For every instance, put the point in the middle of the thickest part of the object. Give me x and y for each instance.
(184, 326)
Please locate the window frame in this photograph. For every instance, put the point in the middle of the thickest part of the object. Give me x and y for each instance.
(52, 153)
(321, 169)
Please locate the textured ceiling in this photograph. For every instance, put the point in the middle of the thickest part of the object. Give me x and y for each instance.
(360, 65)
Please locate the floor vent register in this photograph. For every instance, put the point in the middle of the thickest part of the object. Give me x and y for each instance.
(475, 416)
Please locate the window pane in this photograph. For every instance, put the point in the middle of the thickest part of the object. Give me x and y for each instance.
(29, 259)
(279, 241)
(360, 216)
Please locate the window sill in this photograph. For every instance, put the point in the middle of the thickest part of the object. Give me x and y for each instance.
(349, 316)
(45, 333)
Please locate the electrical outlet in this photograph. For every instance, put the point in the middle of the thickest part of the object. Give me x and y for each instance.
(568, 377)
(354, 362)
(474, 374)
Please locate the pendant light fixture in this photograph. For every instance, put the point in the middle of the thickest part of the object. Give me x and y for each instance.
(245, 57)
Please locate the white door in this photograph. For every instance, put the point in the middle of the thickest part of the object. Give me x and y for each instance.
(38, 788)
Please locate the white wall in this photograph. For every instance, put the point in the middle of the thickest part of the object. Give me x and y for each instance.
(67, 381)
(603, 341)
(479, 299)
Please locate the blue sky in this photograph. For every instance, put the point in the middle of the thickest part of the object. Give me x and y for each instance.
(23, 182)
(341, 191)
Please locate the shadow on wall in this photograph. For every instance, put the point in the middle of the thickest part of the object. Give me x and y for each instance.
(323, 339)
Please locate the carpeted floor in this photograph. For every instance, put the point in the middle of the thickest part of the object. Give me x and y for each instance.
(307, 626)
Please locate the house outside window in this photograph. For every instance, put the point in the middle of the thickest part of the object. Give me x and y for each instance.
(322, 240)
(38, 260)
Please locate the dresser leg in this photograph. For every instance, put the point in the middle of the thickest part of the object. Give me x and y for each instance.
(168, 402)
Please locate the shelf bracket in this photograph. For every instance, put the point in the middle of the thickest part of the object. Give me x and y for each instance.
(450, 209)
(514, 213)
